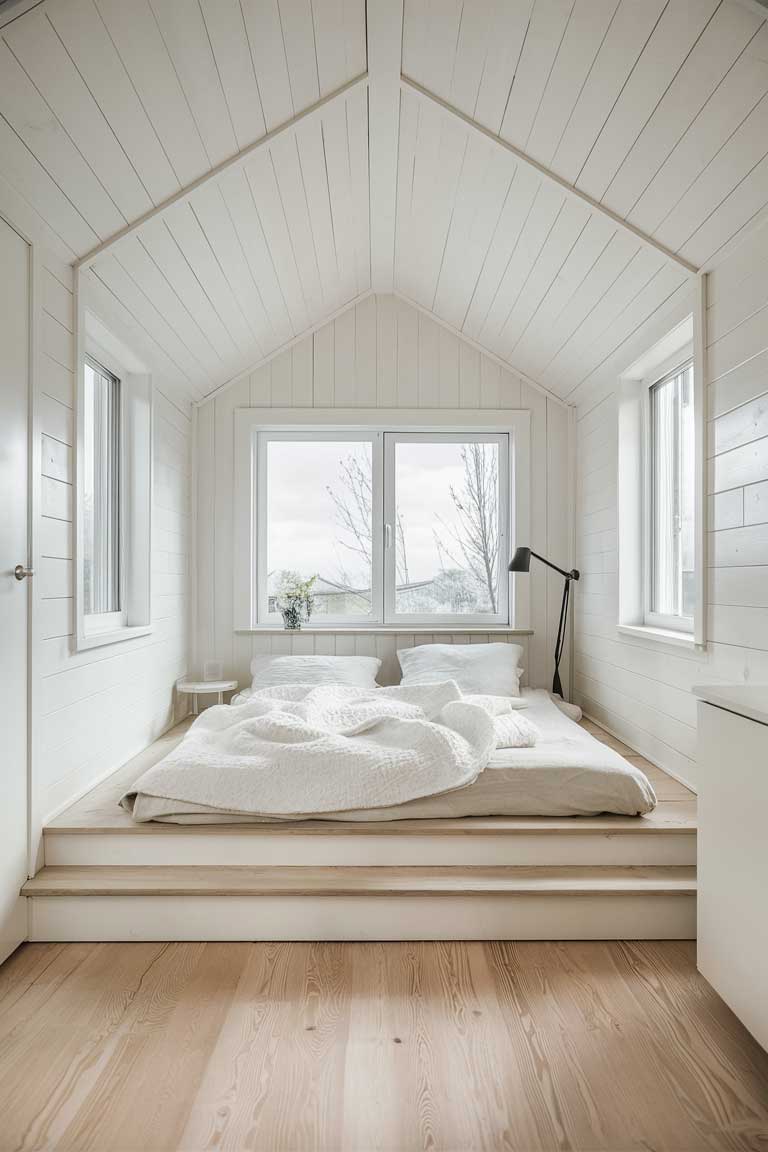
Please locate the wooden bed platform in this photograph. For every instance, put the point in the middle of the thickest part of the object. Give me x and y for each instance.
(608, 877)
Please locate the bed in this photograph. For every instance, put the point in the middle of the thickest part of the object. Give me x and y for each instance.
(566, 773)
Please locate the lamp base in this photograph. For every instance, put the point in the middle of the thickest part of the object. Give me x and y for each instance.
(557, 686)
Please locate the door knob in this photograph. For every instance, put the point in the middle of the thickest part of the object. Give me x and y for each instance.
(20, 572)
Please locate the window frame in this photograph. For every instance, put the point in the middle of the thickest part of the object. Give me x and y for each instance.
(651, 619)
(97, 623)
(464, 423)
(259, 573)
(96, 343)
(679, 345)
(391, 440)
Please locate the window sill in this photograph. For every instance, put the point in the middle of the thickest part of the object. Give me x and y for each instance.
(660, 635)
(98, 639)
(388, 630)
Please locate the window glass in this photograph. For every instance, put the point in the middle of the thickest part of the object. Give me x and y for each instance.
(319, 524)
(101, 491)
(672, 480)
(388, 527)
(446, 529)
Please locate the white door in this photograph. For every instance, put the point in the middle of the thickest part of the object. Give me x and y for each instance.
(14, 593)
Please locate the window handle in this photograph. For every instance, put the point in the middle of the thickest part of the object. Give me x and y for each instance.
(387, 535)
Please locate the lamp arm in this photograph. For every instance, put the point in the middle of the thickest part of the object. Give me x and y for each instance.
(572, 575)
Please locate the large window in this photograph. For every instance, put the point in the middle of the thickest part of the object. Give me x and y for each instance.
(102, 497)
(670, 576)
(391, 527)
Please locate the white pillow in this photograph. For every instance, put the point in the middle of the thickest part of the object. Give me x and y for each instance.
(356, 671)
(484, 669)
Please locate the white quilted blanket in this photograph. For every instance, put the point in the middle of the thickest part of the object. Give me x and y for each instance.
(298, 749)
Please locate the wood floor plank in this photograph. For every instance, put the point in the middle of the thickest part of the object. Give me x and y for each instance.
(275, 1076)
(163, 1051)
(719, 1087)
(378, 1075)
(585, 1046)
(466, 1019)
(22, 969)
(53, 1059)
(555, 1059)
(33, 996)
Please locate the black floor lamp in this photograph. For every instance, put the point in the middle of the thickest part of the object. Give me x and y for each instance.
(521, 562)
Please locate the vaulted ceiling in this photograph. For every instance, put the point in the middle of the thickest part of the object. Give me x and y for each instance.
(544, 176)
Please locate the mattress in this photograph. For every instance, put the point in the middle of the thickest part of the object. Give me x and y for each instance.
(567, 773)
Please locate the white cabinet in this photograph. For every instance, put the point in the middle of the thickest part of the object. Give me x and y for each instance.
(733, 849)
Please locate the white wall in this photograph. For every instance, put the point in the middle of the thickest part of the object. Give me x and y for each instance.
(92, 710)
(633, 686)
(380, 354)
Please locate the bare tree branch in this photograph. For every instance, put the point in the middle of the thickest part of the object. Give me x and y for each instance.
(353, 507)
(470, 543)
(354, 514)
(476, 537)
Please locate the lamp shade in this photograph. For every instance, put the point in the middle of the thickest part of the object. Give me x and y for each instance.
(521, 561)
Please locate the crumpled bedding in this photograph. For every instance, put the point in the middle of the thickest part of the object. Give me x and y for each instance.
(297, 751)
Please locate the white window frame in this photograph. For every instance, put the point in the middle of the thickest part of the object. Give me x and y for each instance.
(259, 591)
(684, 343)
(391, 440)
(651, 619)
(96, 343)
(99, 623)
(359, 424)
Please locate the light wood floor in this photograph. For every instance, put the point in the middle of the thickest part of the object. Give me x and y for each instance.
(142, 1047)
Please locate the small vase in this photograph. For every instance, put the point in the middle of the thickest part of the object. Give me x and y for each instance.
(291, 618)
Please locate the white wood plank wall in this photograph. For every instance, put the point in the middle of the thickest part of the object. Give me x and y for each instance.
(637, 689)
(380, 354)
(95, 709)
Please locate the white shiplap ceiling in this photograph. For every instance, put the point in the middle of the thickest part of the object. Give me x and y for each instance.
(542, 178)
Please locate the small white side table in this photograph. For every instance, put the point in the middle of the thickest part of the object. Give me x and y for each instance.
(195, 688)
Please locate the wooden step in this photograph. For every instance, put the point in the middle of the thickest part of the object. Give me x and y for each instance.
(96, 831)
(355, 881)
(352, 881)
(664, 820)
(664, 837)
(362, 903)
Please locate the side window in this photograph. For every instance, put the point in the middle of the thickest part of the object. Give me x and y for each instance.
(670, 592)
(661, 498)
(113, 499)
(102, 514)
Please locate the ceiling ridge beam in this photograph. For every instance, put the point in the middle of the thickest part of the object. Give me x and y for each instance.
(547, 174)
(285, 347)
(385, 38)
(478, 347)
(235, 161)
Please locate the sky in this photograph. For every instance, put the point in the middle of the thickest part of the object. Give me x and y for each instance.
(304, 533)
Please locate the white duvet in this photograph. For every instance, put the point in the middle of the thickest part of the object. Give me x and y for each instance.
(301, 750)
